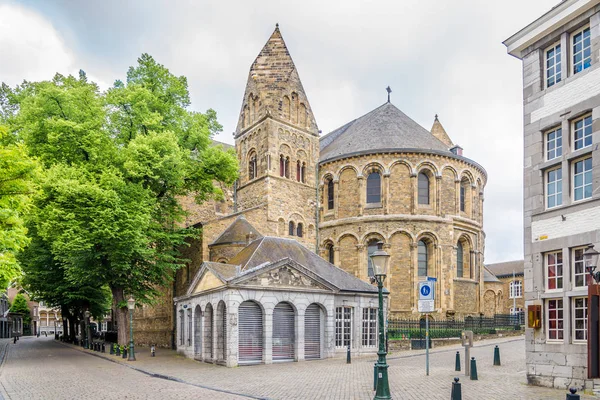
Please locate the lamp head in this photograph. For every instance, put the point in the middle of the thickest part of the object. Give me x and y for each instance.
(380, 260)
(131, 303)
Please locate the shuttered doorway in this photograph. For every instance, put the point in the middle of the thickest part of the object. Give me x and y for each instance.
(312, 332)
(284, 339)
(250, 333)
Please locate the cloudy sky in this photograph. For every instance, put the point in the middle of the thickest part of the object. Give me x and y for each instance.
(438, 56)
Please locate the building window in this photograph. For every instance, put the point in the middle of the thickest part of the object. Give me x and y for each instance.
(515, 290)
(422, 258)
(369, 327)
(583, 132)
(284, 166)
(553, 65)
(343, 326)
(580, 317)
(330, 193)
(554, 144)
(554, 270)
(299, 230)
(252, 173)
(463, 195)
(459, 260)
(292, 228)
(298, 170)
(581, 278)
(555, 319)
(554, 188)
(330, 253)
(303, 173)
(423, 188)
(374, 188)
(582, 50)
(181, 326)
(371, 248)
(515, 311)
(582, 179)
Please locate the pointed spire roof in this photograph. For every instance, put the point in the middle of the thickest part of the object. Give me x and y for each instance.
(272, 77)
(439, 132)
(384, 129)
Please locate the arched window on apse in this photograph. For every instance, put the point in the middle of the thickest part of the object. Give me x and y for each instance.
(299, 232)
(423, 188)
(374, 188)
(330, 193)
(252, 173)
(423, 258)
(371, 248)
(292, 228)
(459, 260)
(298, 167)
(330, 253)
(281, 165)
(303, 173)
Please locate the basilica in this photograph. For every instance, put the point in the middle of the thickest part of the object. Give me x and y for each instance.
(282, 271)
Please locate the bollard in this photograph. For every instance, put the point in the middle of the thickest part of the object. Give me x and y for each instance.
(103, 348)
(348, 356)
(152, 351)
(496, 355)
(14, 339)
(125, 352)
(473, 369)
(572, 394)
(456, 390)
(111, 349)
(457, 362)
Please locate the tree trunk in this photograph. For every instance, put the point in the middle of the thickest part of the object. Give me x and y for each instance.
(120, 314)
(72, 330)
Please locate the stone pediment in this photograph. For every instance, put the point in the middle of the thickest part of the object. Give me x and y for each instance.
(208, 281)
(283, 276)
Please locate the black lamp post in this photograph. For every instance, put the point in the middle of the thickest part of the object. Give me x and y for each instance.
(380, 260)
(590, 257)
(131, 307)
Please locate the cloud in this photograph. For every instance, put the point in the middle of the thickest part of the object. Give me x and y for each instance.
(438, 57)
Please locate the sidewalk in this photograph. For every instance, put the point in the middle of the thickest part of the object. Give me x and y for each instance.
(334, 379)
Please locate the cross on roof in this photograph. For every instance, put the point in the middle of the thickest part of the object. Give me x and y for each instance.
(389, 90)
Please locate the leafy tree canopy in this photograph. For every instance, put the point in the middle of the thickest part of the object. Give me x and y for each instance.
(19, 305)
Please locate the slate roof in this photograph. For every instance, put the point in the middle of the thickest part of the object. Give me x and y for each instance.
(236, 232)
(223, 271)
(489, 276)
(271, 249)
(385, 128)
(505, 269)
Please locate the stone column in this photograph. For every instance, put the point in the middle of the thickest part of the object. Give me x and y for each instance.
(473, 200)
(386, 192)
(413, 185)
(414, 274)
(362, 195)
(336, 256)
(268, 336)
(457, 197)
(300, 335)
(336, 197)
(361, 265)
(438, 195)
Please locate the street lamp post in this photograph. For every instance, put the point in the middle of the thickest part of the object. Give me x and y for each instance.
(590, 257)
(131, 307)
(86, 343)
(380, 260)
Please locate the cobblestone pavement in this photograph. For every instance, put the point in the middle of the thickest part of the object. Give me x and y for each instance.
(41, 368)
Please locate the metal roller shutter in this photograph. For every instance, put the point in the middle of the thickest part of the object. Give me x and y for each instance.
(312, 332)
(250, 333)
(284, 339)
(224, 336)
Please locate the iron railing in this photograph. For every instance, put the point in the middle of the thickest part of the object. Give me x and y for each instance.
(451, 328)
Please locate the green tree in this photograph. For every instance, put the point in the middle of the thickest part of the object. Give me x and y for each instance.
(17, 170)
(115, 165)
(19, 305)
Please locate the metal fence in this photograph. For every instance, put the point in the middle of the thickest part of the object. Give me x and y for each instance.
(446, 328)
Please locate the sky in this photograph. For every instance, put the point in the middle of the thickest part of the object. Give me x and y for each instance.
(439, 57)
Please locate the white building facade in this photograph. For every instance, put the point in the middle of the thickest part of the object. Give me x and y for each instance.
(561, 96)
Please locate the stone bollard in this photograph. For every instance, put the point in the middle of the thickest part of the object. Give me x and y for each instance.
(473, 369)
(457, 362)
(572, 394)
(496, 355)
(348, 356)
(456, 390)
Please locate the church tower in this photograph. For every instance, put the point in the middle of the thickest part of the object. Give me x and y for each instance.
(277, 143)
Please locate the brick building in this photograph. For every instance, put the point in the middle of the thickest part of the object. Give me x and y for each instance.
(381, 177)
(561, 97)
